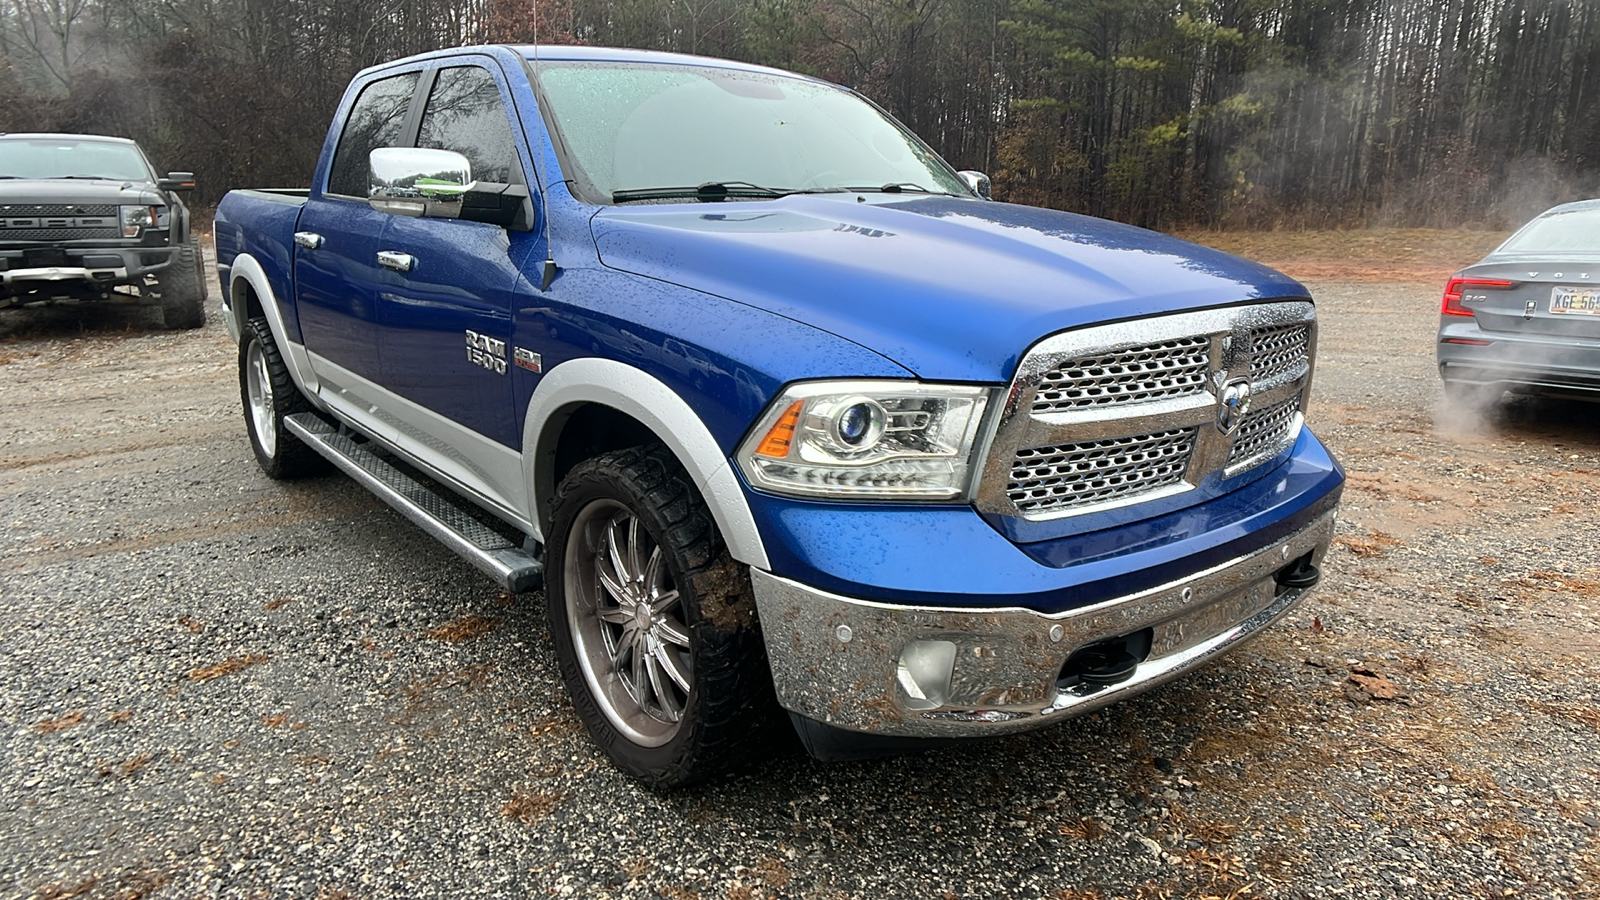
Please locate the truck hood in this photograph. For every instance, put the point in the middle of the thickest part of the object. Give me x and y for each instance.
(77, 192)
(950, 288)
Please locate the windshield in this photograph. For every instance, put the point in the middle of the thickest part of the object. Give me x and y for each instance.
(67, 158)
(1577, 231)
(631, 127)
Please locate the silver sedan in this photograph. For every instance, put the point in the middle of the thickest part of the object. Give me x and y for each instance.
(1526, 318)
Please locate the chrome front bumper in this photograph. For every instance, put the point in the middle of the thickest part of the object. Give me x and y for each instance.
(888, 670)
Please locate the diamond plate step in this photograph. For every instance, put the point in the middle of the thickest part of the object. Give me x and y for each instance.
(513, 568)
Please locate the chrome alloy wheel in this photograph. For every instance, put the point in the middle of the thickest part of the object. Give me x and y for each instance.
(626, 620)
(258, 388)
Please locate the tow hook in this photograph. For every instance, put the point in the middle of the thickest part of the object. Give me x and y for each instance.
(1299, 575)
(1106, 663)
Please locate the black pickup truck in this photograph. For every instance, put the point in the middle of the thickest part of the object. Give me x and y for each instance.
(86, 218)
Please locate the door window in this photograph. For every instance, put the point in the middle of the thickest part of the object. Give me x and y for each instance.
(376, 120)
(465, 114)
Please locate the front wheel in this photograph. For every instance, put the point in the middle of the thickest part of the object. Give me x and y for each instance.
(183, 288)
(654, 623)
(268, 394)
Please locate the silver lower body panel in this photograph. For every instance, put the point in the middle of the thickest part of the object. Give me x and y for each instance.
(883, 669)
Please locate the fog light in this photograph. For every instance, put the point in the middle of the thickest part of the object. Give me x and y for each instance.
(924, 673)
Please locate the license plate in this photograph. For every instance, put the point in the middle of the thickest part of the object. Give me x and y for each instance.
(42, 259)
(1573, 301)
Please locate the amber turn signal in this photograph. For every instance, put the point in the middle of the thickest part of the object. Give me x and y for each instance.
(776, 443)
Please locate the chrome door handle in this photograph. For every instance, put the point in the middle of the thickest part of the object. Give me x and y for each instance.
(400, 262)
(308, 240)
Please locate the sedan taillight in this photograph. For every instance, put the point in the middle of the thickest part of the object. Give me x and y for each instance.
(1453, 291)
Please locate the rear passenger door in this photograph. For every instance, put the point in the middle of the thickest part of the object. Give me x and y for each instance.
(337, 240)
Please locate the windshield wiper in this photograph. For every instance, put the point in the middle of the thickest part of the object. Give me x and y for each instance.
(899, 187)
(90, 177)
(713, 192)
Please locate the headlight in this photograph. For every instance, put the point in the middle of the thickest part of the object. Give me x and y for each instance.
(866, 439)
(135, 218)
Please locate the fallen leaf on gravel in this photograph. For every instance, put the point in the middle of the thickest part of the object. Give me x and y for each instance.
(1316, 625)
(51, 726)
(529, 807)
(228, 666)
(463, 629)
(1587, 715)
(1377, 544)
(1366, 685)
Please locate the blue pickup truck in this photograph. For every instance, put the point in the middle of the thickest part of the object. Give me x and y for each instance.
(783, 414)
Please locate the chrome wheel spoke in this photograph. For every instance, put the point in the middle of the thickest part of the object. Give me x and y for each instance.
(615, 553)
(663, 602)
(667, 658)
(619, 652)
(672, 631)
(637, 664)
(619, 592)
(616, 615)
(665, 699)
(635, 569)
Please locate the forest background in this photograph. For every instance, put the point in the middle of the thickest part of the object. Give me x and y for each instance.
(1163, 113)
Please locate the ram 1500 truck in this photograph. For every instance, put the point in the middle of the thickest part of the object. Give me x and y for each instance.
(86, 218)
(780, 409)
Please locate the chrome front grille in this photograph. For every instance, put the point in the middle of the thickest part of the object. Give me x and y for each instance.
(1133, 375)
(1096, 472)
(1113, 415)
(1265, 432)
(1278, 351)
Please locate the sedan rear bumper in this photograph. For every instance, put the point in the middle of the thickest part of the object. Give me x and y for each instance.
(1472, 356)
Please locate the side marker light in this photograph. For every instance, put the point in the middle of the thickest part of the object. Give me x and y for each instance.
(776, 443)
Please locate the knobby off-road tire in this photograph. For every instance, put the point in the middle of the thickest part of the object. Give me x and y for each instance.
(183, 288)
(268, 394)
(654, 623)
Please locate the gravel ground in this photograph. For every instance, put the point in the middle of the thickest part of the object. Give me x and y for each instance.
(216, 685)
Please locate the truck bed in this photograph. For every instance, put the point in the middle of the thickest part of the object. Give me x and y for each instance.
(261, 222)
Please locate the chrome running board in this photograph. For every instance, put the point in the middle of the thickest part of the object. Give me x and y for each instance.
(512, 567)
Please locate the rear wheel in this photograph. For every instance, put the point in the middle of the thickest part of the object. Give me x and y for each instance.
(654, 623)
(268, 394)
(183, 288)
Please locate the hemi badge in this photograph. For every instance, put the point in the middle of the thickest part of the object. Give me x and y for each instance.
(527, 359)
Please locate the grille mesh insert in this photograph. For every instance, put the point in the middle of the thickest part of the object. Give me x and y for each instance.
(1153, 372)
(1069, 475)
(1264, 432)
(34, 210)
(58, 234)
(1278, 351)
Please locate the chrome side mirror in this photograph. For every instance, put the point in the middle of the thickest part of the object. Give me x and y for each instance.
(977, 182)
(418, 182)
(178, 181)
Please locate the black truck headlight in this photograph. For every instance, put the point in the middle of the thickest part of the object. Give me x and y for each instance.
(865, 440)
(137, 218)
